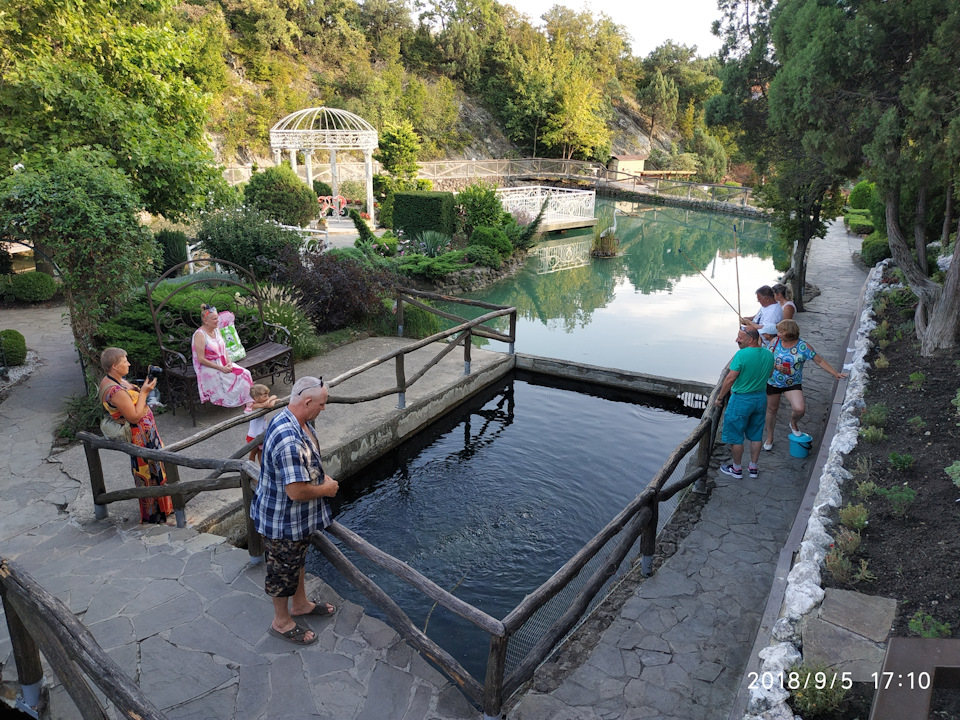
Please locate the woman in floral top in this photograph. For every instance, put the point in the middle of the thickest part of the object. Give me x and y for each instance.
(790, 352)
(124, 400)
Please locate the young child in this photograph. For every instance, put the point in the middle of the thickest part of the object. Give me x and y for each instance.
(261, 399)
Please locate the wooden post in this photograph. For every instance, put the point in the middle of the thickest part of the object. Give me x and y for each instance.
(25, 651)
(513, 331)
(401, 382)
(493, 686)
(467, 344)
(254, 539)
(648, 538)
(97, 486)
(703, 460)
(179, 500)
(399, 315)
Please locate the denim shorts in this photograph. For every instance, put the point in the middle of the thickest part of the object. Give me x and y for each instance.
(744, 417)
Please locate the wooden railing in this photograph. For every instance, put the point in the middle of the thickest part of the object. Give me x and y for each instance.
(40, 623)
(173, 459)
(637, 520)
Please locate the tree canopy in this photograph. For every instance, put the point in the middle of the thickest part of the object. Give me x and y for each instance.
(113, 75)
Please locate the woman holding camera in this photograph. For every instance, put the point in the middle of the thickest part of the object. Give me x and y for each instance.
(125, 401)
(218, 380)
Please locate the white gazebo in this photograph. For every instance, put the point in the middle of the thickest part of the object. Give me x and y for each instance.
(330, 129)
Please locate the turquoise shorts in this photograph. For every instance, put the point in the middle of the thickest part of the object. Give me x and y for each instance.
(745, 416)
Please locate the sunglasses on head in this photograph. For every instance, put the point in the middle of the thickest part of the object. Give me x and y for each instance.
(311, 387)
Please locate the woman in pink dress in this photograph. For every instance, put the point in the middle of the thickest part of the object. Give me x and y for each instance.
(218, 380)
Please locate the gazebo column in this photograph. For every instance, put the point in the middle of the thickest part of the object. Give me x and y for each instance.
(334, 182)
(293, 159)
(277, 156)
(368, 168)
(308, 159)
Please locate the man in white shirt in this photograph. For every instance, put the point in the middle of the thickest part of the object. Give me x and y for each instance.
(770, 312)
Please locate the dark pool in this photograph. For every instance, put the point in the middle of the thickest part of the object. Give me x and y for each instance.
(492, 499)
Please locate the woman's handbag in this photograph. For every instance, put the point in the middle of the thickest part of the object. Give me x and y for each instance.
(114, 429)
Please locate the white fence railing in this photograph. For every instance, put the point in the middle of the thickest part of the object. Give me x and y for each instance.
(562, 203)
(546, 168)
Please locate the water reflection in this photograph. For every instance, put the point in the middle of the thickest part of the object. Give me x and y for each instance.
(647, 309)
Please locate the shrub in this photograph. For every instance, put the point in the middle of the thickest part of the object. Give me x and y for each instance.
(901, 461)
(6, 260)
(478, 205)
(484, 256)
(366, 234)
(416, 211)
(244, 236)
(861, 226)
(14, 347)
(83, 413)
(953, 472)
(281, 195)
(866, 489)
(432, 268)
(321, 188)
(304, 339)
(847, 541)
(524, 237)
(334, 291)
(875, 247)
(917, 424)
(386, 244)
(875, 415)
(901, 497)
(881, 363)
(493, 238)
(927, 626)
(854, 517)
(872, 434)
(917, 379)
(431, 243)
(173, 243)
(860, 195)
(839, 565)
(33, 287)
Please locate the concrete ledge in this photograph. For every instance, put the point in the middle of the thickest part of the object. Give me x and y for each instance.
(624, 379)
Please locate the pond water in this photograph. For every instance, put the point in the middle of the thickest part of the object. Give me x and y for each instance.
(647, 310)
(492, 499)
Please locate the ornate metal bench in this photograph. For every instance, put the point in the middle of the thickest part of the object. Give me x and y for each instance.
(175, 319)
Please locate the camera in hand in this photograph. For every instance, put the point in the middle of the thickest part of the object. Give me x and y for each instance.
(154, 371)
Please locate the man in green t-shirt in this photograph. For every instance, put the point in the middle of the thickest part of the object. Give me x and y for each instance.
(746, 383)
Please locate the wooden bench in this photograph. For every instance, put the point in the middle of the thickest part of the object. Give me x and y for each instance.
(175, 319)
(912, 669)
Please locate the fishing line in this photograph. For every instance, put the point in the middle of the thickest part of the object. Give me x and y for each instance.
(708, 280)
(736, 265)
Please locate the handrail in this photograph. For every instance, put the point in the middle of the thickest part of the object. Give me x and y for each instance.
(37, 621)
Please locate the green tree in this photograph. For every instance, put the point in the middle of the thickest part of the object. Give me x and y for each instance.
(895, 104)
(111, 75)
(86, 212)
(575, 126)
(399, 147)
(711, 157)
(659, 98)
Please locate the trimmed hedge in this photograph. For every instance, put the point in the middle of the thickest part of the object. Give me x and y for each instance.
(860, 195)
(33, 287)
(14, 347)
(414, 212)
(484, 256)
(282, 196)
(861, 225)
(875, 248)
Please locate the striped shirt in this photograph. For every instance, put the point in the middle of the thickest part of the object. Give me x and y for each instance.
(289, 455)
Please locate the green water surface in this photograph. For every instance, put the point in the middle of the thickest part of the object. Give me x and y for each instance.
(648, 309)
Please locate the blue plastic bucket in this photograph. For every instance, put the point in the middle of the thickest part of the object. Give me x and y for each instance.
(800, 445)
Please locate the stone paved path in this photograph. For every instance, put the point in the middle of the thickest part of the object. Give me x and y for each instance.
(185, 614)
(680, 644)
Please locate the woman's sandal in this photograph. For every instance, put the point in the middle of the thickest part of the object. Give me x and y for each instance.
(296, 635)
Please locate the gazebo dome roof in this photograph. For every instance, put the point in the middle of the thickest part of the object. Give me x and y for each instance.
(323, 128)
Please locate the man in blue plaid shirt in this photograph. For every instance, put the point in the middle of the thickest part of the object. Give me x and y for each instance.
(289, 504)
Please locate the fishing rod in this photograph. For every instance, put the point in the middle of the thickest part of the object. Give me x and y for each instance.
(708, 280)
(736, 265)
